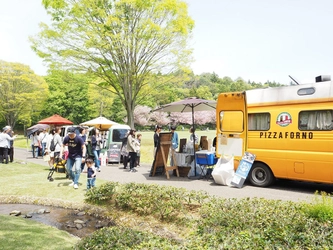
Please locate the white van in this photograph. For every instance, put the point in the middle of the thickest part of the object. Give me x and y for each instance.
(115, 137)
(64, 129)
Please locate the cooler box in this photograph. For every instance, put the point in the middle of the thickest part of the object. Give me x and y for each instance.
(205, 157)
(114, 153)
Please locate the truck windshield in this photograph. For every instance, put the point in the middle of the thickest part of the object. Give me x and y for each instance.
(119, 134)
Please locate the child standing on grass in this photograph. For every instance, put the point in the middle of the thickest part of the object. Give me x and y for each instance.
(91, 173)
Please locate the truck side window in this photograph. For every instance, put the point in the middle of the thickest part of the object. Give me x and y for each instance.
(315, 120)
(259, 121)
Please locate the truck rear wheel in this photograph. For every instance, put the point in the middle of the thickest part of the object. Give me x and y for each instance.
(261, 175)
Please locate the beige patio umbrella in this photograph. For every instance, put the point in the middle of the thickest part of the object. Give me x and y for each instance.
(190, 104)
(101, 123)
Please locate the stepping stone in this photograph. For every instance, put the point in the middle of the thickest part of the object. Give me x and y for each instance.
(15, 213)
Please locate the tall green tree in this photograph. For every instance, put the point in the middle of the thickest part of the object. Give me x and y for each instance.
(22, 93)
(123, 42)
(118, 112)
(101, 100)
(68, 96)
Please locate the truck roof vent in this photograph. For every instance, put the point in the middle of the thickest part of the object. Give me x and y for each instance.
(323, 78)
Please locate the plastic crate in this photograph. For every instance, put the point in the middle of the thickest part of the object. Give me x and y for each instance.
(205, 158)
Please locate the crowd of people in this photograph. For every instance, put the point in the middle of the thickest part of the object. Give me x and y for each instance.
(72, 148)
(79, 153)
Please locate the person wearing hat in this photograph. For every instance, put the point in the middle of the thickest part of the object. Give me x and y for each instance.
(76, 155)
(4, 144)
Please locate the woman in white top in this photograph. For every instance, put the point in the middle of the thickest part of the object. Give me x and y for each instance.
(132, 149)
(57, 142)
(4, 145)
(34, 144)
(47, 148)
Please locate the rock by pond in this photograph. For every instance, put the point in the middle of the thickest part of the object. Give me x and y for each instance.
(75, 222)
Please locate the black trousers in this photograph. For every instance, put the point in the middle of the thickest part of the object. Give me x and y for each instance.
(126, 159)
(11, 154)
(4, 155)
(132, 159)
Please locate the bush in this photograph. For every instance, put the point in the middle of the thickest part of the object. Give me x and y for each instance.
(124, 238)
(212, 223)
(321, 208)
(103, 194)
(164, 202)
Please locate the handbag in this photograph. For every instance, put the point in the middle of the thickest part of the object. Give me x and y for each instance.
(46, 157)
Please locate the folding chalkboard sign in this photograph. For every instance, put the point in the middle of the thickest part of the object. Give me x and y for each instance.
(161, 156)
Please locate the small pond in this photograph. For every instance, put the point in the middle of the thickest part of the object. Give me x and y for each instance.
(61, 218)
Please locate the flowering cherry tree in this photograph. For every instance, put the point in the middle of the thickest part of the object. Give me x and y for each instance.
(142, 115)
(200, 117)
(160, 118)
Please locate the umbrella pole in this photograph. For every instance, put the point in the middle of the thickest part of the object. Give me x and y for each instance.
(195, 177)
(195, 162)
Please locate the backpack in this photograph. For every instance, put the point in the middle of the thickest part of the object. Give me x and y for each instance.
(52, 145)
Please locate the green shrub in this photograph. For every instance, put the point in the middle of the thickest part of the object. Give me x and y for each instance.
(124, 238)
(213, 223)
(164, 202)
(257, 224)
(321, 208)
(102, 194)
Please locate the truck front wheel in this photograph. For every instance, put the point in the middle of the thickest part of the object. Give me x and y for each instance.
(261, 175)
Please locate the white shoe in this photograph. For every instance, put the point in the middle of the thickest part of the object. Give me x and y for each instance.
(76, 186)
(72, 184)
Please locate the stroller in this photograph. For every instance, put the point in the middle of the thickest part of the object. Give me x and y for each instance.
(59, 166)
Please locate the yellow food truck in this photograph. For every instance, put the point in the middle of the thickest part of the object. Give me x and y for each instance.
(289, 129)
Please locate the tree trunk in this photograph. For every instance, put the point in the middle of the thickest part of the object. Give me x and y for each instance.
(130, 118)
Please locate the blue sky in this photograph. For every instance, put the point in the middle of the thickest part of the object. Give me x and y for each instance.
(256, 40)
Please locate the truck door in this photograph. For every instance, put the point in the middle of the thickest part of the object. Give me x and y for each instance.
(231, 125)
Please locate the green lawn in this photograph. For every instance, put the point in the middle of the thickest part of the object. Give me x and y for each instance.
(31, 180)
(24, 234)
